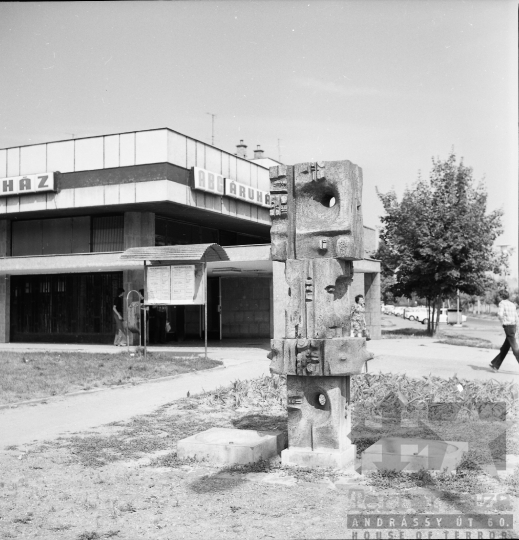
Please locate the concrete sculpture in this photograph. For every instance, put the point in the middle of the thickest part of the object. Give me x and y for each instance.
(317, 234)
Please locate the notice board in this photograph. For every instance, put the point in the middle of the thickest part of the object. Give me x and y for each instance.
(182, 284)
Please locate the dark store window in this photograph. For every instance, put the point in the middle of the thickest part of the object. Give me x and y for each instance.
(71, 308)
(107, 233)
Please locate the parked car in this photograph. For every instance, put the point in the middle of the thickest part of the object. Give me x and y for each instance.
(388, 309)
(399, 311)
(411, 313)
(423, 317)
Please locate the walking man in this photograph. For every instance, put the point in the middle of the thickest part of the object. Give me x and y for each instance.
(508, 316)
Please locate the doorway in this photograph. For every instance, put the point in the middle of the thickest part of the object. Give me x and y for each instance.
(213, 308)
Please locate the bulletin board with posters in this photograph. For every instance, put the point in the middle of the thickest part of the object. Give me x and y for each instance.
(181, 284)
(176, 285)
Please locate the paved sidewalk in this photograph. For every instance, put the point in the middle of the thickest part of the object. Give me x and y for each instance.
(422, 356)
(66, 415)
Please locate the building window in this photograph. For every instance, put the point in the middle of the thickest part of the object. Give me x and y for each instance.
(107, 233)
(169, 232)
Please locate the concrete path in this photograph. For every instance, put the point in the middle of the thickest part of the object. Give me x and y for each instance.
(419, 357)
(66, 415)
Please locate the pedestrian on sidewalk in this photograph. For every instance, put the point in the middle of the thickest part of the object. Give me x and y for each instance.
(120, 334)
(507, 314)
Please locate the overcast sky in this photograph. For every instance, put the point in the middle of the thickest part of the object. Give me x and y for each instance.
(386, 84)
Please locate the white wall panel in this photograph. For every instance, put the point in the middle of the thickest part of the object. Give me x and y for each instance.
(33, 159)
(89, 196)
(127, 193)
(263, 179)
(213, 159)
(232, 167)
(191, 153)
(13, 205)
(33, 202)
(13, 162)
(243, 172)
(177, 192)
(89, 154)
(111, 194)
(225, 165)
(3, 163)
(60, 156)
(151, 191)
(200, 155)
(254, 176)
(64, 199)
(127, 152)
(177, 149)
(111, 151)
(151, 147)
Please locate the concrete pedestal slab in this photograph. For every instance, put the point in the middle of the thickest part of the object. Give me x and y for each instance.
(335, 459)
(232, 446)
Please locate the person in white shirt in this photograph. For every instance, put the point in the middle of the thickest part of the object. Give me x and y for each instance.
(508, 316)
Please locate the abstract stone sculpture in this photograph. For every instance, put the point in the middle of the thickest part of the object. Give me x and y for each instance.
(316, 233)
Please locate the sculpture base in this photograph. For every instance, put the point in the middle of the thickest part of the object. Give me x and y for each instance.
(232, 446)
(335, 459)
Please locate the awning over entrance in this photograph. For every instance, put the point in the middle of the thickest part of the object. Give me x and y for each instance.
(188, 253)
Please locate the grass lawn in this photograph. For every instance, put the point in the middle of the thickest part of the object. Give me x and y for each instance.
(25, 376)
(449, 338)
(125, 480)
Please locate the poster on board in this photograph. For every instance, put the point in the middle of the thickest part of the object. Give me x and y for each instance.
(159, 285)
(182, 284)
(176, 285)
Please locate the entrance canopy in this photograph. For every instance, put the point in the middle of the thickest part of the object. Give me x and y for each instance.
(177, 254)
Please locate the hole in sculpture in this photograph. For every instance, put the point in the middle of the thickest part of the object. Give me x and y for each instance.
(328, 199)
(321, 400)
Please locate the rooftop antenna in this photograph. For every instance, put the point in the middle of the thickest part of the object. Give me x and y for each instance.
(213, 116)
(279, 150)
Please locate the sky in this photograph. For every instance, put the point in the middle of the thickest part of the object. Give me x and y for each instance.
(387, 84)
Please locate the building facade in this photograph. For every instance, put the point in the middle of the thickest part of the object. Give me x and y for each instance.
(69, 208)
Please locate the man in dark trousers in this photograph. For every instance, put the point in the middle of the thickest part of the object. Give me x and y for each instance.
(508, 316)
(117, 309)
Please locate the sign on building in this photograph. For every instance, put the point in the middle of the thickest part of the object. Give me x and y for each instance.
(30, 183)
(208, 181)
(217, 184)
(245, 193)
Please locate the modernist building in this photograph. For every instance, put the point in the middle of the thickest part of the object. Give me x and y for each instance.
(68, 209)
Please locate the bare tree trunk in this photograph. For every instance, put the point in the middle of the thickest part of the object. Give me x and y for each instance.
(438, 311)
(430, 315)
(433, 314)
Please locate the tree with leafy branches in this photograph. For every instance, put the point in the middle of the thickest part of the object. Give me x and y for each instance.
(439, 237)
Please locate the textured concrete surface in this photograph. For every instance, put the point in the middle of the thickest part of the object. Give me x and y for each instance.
(232, 446)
